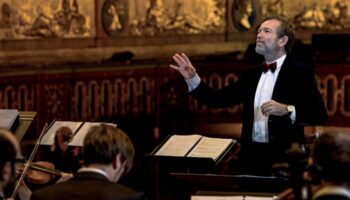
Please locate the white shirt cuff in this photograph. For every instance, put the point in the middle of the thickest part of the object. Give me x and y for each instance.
(192, 83)
(293, 114)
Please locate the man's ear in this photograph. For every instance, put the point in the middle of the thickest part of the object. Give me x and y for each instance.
(282, 41)
(117, 161)
(118, 167)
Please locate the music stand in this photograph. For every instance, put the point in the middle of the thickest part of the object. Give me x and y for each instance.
(184, 163)
(25, 120)
(241, 183)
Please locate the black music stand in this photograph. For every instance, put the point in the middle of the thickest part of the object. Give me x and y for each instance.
(186, 164)
(235, 183)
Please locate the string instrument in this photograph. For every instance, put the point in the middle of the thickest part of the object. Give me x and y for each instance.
(42, 172)
(27, 167)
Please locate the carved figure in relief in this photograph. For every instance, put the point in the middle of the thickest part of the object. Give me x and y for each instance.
(337, 16)
(327, 16)
(115, 24)
(180, 17)
(5, 18)
(157, 15)
(242, 13)
(312, 17)
(43, 24)
(43, 20)
(275, 7)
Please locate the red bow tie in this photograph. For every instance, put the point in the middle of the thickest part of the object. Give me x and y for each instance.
(267, 67)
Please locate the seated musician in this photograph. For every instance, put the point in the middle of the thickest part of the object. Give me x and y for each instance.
(65, 158)
(10, 153)
(108, 154)
(57, 164)
(330, 162)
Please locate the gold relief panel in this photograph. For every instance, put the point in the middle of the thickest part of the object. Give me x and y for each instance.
(27, 19)
(311, 14)
(176, 17)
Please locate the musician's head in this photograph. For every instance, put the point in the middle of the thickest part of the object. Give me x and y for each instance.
(63, 136)
(10, 154)
(331, 154)
(109, 149)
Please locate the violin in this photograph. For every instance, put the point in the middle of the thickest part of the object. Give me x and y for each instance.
(42, 172)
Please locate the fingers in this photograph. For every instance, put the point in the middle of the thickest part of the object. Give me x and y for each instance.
(273, 108)
(267, 108)
(185, 58)
(174, 67)
(179, 59)
(264, 109)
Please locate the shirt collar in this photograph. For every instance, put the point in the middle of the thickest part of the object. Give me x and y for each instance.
(335, 190)
(93, 169)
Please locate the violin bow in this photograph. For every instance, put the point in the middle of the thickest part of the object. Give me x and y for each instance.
(31, 157)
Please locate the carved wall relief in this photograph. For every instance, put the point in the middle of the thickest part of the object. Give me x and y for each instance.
(322, 14)
(28, 19)
(171, 17)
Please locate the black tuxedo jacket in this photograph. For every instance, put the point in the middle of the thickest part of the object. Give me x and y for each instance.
(87, 186)
(295, 85)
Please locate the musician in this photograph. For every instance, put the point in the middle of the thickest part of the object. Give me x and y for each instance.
(65, 158)
(108, 154)
(14, 183)
(10, 154)
(328, 170)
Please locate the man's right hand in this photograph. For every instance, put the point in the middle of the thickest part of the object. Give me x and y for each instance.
(185, 67)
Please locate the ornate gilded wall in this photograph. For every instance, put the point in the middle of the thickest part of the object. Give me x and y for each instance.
(103, 27)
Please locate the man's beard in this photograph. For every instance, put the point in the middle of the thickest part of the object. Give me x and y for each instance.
(260, 50)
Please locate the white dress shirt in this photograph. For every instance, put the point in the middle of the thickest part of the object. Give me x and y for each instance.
(263, 94)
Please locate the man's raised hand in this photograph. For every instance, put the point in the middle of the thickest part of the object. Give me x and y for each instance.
(185, 67)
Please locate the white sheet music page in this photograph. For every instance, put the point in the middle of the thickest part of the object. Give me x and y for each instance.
(178, 145)
(49, 137)
(199, 197)
(210, 147)
(78, 138)
(196, 197)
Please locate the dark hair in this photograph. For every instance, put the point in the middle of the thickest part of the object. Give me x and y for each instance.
(285, 29)
(331, 153)
(8, 153)
(104, 142)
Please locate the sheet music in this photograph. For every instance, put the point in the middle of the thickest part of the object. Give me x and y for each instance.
(78, 138)
(210, 147)
(8, 117)
(199, 197)
(217, 197)
(178, 145)
(49, 137)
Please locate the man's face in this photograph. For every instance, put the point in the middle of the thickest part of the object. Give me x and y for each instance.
(267, 40)
(8, 175)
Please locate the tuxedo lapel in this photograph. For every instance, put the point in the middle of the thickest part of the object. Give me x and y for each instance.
(282, 80)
